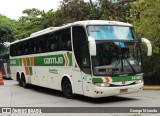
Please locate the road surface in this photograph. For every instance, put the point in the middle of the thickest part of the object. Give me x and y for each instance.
(12, 95)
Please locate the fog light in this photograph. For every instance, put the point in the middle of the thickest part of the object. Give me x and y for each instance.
(102, 84)
(138, 81)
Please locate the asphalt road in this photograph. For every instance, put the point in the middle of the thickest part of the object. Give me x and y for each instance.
(12, 95)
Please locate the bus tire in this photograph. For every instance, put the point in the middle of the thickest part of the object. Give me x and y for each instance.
(24, 84)
(67, 89)
(19, 80)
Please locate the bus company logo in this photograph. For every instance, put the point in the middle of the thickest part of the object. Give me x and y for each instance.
(6, 110)
(54, 60)
(13, 62)
(60, 60)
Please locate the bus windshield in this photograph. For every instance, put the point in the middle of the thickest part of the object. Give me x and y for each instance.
(111, 32)
(117, 58)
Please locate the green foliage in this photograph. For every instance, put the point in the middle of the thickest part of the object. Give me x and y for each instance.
(34, 20)
(29, 23)
(48, 19)
(74, 11)
(6, 32)
(145, 17)
(110, 11)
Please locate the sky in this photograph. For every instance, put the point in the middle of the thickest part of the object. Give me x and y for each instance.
(13, 8)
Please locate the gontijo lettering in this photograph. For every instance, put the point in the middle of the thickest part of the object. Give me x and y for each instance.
(54, 60)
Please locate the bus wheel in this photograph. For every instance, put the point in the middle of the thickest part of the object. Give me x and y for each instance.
(19, 81)
(24, 84)
(67, 89)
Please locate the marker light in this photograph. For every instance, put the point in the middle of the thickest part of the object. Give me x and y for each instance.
(102, 84)
(138, 81)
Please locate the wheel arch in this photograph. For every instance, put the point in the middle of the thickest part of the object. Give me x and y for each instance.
(67, 77)
(25, 77)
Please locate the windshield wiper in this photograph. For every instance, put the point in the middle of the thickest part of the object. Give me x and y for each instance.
(120, 60)
(117, 62)
(130, 65)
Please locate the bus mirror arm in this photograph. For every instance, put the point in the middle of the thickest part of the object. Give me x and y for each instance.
(149, 46)
(92, 46)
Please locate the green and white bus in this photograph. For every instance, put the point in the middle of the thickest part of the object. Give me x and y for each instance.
(93, 58)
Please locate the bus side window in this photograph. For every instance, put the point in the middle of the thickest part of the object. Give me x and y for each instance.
(33, 47)
(64, 39)
(26, 48)
(42, 43)
(69, 45)
(20, 48)
(52, 43)
(64, 45)
(13, 50)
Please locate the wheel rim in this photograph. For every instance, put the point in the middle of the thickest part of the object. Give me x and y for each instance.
(68, 89)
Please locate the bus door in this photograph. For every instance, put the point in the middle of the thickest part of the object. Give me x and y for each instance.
(86, 69)
(82, 75)
(82, 57)
(77, 80)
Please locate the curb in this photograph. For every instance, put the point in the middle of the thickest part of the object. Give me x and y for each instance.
(151, 88)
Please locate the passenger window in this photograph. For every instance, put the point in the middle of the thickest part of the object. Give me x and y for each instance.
(20, 49)
(33, 47)
(26, 48)
(13, 50)
(42, 44)
(52, 43)
(64, 39)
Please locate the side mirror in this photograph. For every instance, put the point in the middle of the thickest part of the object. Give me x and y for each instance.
(149, 46)
(92, 46)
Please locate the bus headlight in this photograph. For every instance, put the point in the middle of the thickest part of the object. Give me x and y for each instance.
(102, 84)
(138, 81)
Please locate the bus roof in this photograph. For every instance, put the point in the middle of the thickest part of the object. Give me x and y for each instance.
(84, 23)
(101, 22)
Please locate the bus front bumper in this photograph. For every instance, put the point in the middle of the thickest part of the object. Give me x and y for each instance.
(112, 91)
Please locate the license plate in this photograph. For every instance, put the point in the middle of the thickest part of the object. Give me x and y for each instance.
(123, 90)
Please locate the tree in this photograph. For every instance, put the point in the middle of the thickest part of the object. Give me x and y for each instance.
(71, 11)
(145, 17)
(48, 19)
(6, 32)
(29, 23)
(118, 11)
